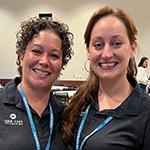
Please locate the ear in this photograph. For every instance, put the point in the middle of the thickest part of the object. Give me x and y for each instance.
(21, 58)
(134, 47)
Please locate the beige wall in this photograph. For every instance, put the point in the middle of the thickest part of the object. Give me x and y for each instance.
(76, 14)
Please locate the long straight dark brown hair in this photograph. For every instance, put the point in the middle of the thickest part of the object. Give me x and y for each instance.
(90, 87)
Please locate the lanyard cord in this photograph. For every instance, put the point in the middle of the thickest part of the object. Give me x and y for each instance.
(32, 125)
(100, 126)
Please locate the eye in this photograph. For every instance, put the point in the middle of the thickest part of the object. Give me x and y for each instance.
(117, 44)
(54, 56)
(99, 45)
(36, 51)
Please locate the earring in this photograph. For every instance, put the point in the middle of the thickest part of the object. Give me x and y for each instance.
(87, 65)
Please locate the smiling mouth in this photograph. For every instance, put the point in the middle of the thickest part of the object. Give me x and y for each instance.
(113, 64)
(42, 73)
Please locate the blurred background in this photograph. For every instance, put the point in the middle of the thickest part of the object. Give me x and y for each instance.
(76, 14)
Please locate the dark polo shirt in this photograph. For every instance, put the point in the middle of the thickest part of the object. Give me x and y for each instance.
(15, 131)
(128, 130)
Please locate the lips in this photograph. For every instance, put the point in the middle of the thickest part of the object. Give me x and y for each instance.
(41, 72)
(108, 64)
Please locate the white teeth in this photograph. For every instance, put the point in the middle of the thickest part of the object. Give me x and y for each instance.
(107, 65)
(41, 72)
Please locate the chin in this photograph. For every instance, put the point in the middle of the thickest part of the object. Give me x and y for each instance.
(41, 84)
(106, 77)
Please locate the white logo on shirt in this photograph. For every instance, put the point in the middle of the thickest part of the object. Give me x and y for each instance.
(13, 116)
(13, 121)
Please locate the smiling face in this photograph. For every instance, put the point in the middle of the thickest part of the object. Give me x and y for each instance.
(109, 49)
(42, 61)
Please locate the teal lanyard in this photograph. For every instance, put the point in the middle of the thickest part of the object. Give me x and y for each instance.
(79, 145)
(33, 128)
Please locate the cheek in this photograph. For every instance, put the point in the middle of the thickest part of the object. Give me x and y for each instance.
(57, 66)
(94, 58)
(27, 63)
(91, 55)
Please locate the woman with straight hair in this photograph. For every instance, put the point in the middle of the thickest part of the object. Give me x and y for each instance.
(109, 111)
(142, 77)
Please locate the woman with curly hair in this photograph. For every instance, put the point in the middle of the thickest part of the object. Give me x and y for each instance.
(29, 113)
(109, 111)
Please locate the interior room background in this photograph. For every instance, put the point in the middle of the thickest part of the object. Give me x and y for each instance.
(76, 14)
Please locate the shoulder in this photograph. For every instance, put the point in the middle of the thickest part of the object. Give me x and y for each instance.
(145, 98)
(12, 85)
(144, 101)
(9, 92)
(138, 99)
(141, 69)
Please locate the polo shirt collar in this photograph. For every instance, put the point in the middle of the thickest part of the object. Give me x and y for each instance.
(13, 97)
(11, 93)
(131, 106)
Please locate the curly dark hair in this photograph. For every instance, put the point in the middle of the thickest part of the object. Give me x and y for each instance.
(30, 28)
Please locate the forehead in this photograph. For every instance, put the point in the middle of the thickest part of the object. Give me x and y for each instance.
(47, 37)
(109, 25)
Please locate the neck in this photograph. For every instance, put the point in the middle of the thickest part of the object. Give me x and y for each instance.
(37, 99)
(113, 94)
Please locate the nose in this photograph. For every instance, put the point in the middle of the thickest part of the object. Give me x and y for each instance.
(107, 52)
(44, 60)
